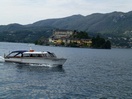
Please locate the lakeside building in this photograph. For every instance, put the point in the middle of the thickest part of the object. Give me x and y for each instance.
(64, 37)
(58, 34)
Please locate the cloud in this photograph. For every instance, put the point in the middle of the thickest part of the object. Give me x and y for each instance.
(28, 11)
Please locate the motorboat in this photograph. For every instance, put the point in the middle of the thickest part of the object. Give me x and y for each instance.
(34, 57)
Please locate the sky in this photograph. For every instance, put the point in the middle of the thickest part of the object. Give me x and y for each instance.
(30, 11)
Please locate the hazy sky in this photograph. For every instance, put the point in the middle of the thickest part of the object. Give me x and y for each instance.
(29, 11)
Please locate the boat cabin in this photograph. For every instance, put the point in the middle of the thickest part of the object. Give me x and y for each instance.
(20, 54)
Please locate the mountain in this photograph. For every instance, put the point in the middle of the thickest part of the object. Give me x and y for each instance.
(23, 33)
(63, 23)
(115, 24)
(111, 23)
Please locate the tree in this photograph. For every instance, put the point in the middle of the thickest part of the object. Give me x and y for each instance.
(42, 41)
(80, 35)
(108, 44)
(98, 42)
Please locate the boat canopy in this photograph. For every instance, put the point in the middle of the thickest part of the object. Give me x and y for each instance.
(34, 52)
(16, 53)
(19, 51)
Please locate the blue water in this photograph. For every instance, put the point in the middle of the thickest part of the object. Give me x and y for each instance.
(87, 74)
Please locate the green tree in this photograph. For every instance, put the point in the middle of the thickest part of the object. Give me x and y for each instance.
(108, 44)
(98, 42)
(80, 35)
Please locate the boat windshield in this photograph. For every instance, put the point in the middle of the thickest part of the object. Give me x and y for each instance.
(49, 54)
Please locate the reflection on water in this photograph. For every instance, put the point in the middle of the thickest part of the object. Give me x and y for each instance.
(39, 68)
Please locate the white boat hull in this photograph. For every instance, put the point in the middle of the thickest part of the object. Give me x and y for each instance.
(54, 62)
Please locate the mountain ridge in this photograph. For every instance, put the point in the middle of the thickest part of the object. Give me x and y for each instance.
(116, 24)
(97, 22)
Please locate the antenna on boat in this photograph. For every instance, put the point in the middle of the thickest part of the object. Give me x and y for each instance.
(31, 50)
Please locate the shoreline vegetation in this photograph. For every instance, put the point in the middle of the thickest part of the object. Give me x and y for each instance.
(75, 39)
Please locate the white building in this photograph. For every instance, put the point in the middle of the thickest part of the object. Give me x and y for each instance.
(57, 34)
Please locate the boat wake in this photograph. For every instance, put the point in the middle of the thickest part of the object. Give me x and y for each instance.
(2, 59)
(41, 65)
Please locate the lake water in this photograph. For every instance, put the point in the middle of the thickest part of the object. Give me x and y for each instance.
(87, 74)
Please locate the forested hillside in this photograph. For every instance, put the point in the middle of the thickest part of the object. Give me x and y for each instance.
(116, 25)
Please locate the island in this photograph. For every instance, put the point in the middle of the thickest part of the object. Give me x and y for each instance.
(69, 38)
